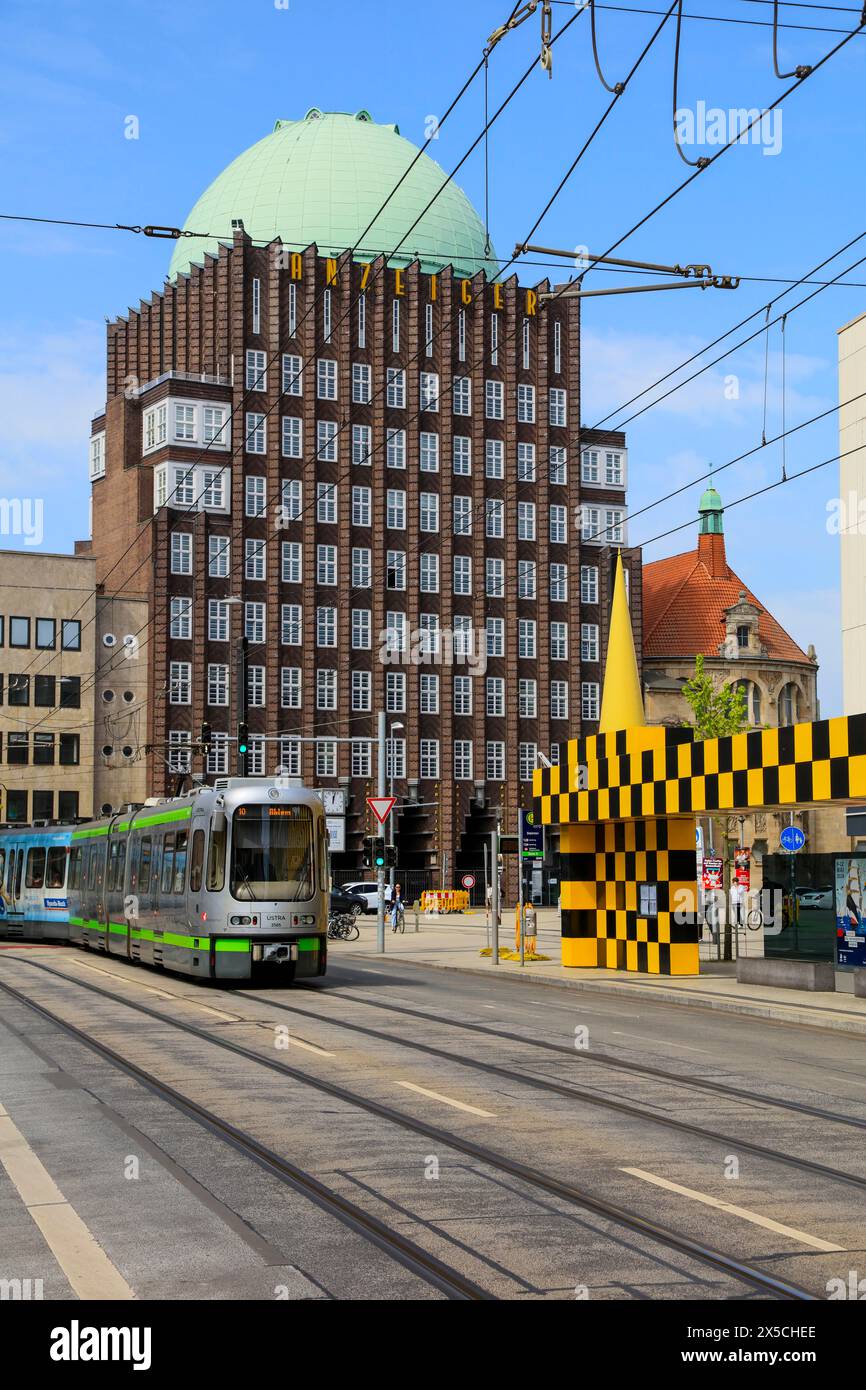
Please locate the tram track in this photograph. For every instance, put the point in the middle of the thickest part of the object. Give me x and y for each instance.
(548, 1183)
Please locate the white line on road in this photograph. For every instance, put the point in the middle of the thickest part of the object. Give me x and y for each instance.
(85, 1264)
(753, 1216)
(662, 1042)
(309, 1047)
(152, 989)
(447, 1100)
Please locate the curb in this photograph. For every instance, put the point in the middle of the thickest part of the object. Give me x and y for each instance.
(748, 1008)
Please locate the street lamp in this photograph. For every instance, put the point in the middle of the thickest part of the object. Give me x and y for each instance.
(391, 818)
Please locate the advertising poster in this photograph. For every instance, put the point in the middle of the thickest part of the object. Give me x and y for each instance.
(713, 875)
(851, 911)
(742, 866)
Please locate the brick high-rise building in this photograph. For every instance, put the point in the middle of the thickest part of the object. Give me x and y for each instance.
(369, 465)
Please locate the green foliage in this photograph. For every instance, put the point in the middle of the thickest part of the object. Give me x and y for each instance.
(716, 712)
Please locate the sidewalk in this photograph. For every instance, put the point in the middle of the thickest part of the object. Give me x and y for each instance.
(455, 943)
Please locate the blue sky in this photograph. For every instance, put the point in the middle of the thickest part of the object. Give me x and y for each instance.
(207, 80)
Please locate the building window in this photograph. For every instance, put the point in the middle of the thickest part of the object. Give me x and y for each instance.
(526, 644)
(462, 694)
(558, 583)
(647, 900)
(395, 692)
(291, 625)
(527, 699)
(326, 689)
(559, 641)
(395, 326)
(589, 700)
(326, 627)
(494, 517)
(254, 622)
(557, 346)
(327, 315)
(292, 559)
(429, 452)
(589, 642)
(789, 704)
(361, 690)
(70, 692)
(180, 621)
(494, 577)
(495, 704)
(462, 515)
(395, 757)
(429, 511)
(290, 687)
(179, 750)
(44, 688)
(326, 379)
(395, 448)
(155, 427)
(293, 310)
(743, 635)
(396, 509)
(218, 755)
(461, 335)
(256, 369)
(293, 437)
(362, 444)
(494, 340)
(428, 330)
(217, 684)
(428, 635)
(526, 463)
(526, 579)
(181, 556)
(559, 699)
(462, 760)
(256, 686)
(257, 306)
(494, 400)
(291, 499)
(256, 432)
(46, 634)
(254, 559)
(293, 375)
(255, 495)
(217, 620)
(395, 388)
(429, 693)
(362, 321)
(558, 465)
(326, 502)
(218, 554)
(462, 574)
(180, 683)
(526, 521)
(494, 458)
(461, 454)
(429, 750)
(429, 391)
(495, 761)
(495, 630)
(97, 456)
(361, 759)
(525, 345)
(461, 395)
(527, 757)
(361, 383)
(614, 475)
(326, 441)
(558, 525)
(362, 628)
(558, 406)
(395, 569)
(526, 405)
(326, 564)
(589, 584)
(361, 567)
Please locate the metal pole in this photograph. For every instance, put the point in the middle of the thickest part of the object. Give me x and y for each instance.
(486, 904)
(391, 819)
(494, 896)
(380, 873)
(520, 884)
(242, 698)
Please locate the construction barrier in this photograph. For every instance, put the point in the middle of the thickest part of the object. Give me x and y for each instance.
(445, 900)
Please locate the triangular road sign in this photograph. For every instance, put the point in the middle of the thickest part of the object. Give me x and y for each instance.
(381, 806)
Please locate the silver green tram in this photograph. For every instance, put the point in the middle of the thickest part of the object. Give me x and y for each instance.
(218, 883)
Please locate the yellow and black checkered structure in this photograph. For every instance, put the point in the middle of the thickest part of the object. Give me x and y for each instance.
(626, 802)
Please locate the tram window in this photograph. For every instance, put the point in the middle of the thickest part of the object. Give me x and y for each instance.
(75, 869)
(133, 864)
(180, 861)
(112, 867)
(55, 873)
(144, 866)
(19, 871)
(98, 873)
(35, 868)
(167, 863)
(196, 862)
(11, 872)
(216, 859)
(2, 863)
(121, 865)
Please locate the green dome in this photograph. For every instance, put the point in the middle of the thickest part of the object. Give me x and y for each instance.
(710, 510)
(322, 180)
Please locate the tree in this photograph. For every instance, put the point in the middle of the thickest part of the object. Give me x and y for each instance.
(716, 712)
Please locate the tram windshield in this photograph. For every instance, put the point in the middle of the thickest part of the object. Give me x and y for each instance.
(272, 853)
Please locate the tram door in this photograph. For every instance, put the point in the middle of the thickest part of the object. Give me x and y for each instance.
(18, 884)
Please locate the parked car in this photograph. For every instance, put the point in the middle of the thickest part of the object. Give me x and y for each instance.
(815, 897)
(344, 901)
(367, 893)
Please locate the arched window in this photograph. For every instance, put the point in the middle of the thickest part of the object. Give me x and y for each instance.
(752, 695)
(788, 707)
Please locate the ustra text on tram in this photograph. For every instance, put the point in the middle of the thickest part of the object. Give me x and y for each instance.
(219, 883)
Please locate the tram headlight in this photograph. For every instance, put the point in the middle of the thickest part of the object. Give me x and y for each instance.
(241, 921)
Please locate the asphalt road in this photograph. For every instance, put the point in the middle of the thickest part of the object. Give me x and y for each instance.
(411, 1133)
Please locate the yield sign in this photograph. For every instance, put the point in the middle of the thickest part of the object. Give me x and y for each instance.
(381, 806)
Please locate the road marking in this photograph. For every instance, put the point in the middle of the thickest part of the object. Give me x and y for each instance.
(447, 1100)
(309, 1047)
(85, 1264)
(662, 1042)
(151, 989)
(753, 1216)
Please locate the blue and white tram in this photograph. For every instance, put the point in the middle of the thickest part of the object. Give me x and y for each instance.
(33, 869)
(215, 884)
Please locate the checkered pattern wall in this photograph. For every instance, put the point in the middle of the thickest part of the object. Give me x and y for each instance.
(626, 803)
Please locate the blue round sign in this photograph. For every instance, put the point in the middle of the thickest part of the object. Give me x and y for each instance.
(792, 838)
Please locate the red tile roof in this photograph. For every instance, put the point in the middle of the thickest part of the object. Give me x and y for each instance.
(684, 598)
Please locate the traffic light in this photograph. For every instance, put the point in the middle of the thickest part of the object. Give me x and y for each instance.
(390, 856)
(374, 852)
(243, 738)
(205, 736)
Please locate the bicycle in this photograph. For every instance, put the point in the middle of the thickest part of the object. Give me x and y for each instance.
(343, 927)
(398, 921)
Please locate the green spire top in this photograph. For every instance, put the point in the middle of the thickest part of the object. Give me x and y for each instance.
(711, 512)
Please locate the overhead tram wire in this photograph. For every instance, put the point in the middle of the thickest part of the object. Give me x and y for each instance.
(725, 19)
(792, 285)
(277, 354)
